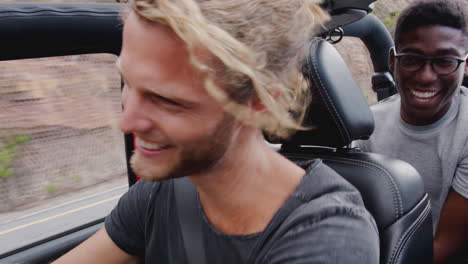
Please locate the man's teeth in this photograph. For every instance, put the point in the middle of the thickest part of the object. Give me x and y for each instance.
(148, 145)
(423, 95)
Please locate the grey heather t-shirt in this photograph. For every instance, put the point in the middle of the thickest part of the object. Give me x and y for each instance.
(331, 226)
(438, 151)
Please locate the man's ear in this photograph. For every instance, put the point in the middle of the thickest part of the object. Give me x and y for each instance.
(466, 52)
(391, 59)
(256, 104)
(466, 67)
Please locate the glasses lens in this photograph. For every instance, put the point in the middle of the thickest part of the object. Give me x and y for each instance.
(444, 65)
(411, 62)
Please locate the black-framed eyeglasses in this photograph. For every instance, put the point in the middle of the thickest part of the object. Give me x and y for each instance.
(442, 65)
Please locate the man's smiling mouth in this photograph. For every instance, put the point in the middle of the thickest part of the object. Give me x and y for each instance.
(423, 95)
(150, 146)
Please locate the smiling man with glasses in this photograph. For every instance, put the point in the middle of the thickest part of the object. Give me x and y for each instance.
(426, 124)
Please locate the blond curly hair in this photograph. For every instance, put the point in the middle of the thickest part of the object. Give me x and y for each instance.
(260, 45)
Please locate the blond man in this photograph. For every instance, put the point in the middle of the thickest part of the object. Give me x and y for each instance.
(203, 81)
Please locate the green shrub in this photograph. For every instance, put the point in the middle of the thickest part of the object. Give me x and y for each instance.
(390, 21)
(8, 154)
(51, 188)
(78, 178)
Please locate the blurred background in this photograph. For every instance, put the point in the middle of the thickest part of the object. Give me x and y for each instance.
(58, 117)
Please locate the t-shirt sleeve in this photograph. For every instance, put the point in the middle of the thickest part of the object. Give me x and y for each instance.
(340, 235)
(126, 223)
(460, 180)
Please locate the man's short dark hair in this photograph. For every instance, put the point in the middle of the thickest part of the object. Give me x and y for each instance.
(450, 13)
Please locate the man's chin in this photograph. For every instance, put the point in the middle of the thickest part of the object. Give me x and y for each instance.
(148, 171)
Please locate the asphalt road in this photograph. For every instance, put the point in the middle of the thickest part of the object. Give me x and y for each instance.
(42, 224)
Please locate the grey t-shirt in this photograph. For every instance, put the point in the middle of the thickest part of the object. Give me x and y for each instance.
(438, 151)
(331, 226)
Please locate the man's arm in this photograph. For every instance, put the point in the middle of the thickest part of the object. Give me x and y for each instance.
(451, 236)
(122, 237)
(99, 248)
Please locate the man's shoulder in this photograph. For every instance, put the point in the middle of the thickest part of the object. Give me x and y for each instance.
(330, 193)
(330, 206)
(387, 106)
(145, 186)
(463, 96)
(144, 190)
(464, 90)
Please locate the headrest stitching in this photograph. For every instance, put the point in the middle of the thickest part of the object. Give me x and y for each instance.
(396, 194)
(322, 91)
(397, 201)
(319, 84)
(397, 250)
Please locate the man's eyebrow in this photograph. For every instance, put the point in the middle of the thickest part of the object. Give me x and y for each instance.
(439, 52)
(176, 99)
(449, 51)
(411, 50)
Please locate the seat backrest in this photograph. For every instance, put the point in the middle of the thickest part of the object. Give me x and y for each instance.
(392, 190)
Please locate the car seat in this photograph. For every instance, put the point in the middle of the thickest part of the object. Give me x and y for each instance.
(392, 190)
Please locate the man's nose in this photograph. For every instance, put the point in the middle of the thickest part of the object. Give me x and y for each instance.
(427, 73)
(133, 118)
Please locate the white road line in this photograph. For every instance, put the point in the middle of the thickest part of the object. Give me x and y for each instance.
(69, 202)
(59, 215)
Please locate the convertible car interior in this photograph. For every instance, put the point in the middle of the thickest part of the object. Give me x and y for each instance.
(392, 190)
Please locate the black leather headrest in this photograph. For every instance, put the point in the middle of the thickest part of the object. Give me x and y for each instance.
(338, 110)
(58, 29)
